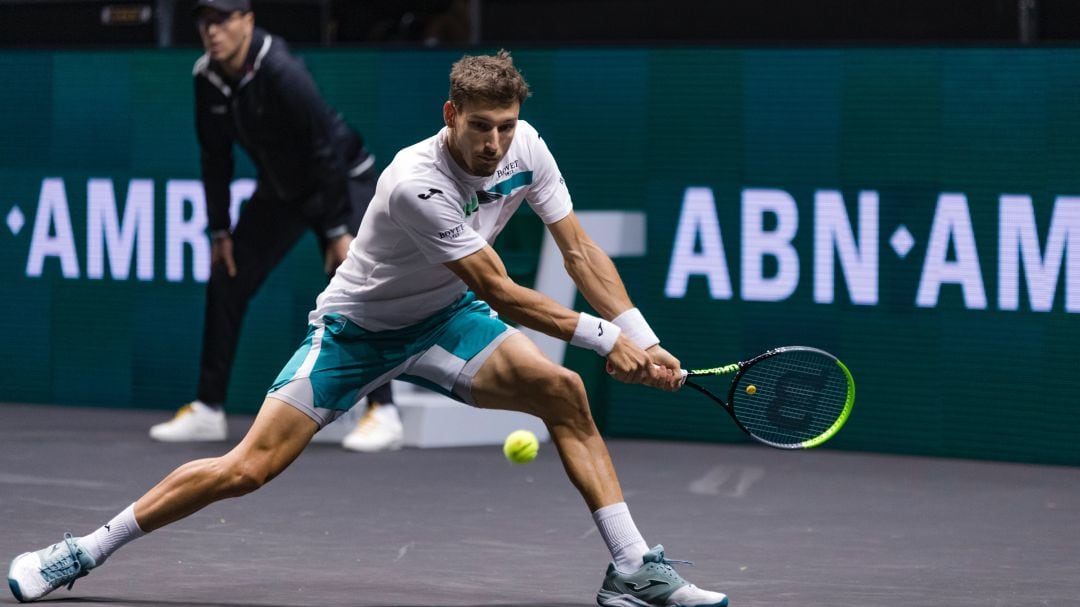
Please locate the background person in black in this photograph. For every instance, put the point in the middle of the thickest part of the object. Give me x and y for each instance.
(313, 173)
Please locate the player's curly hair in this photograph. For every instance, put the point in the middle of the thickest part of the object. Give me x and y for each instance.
(489, 79)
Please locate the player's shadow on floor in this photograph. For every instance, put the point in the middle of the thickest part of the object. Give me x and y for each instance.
(88, 600)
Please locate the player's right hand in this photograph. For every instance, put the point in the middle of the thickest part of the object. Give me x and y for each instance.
(221, 251)
(664, 358)
(630, 364)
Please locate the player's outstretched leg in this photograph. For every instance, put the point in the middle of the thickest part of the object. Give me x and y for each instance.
(277, 437)
(517, 376)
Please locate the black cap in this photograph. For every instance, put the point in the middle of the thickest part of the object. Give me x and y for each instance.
(225, 6)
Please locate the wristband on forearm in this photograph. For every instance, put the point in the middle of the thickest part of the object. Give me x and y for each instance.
(633, 324)
(596, 334)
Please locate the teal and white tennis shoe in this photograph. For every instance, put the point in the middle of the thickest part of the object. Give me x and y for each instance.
(34, 574)
(655, 584)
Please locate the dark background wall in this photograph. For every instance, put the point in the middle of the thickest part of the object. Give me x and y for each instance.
(961, 340)
(908, 101)
(127, 23)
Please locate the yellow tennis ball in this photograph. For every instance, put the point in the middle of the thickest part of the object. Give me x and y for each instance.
(521, 447)
(751, 389)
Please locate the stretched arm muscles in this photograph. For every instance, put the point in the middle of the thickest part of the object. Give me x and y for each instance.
(591, 268)
(596, 277)
(486, 275)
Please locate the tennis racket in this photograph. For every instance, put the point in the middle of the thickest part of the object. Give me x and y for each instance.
(793, 397)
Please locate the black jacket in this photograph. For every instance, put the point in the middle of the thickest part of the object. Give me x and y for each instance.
(302, 148)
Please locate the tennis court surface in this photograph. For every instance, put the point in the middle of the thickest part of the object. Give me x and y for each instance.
(462, 527)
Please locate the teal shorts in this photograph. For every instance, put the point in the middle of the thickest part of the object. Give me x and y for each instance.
(339, 362)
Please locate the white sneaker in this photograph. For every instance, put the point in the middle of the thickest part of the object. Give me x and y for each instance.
(654, 584)
(32, 575)
(194, 422)
(379, 429)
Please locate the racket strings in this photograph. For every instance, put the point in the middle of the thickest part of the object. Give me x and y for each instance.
(791, 398)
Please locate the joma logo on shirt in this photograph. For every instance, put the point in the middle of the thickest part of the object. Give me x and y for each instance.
(453, 232)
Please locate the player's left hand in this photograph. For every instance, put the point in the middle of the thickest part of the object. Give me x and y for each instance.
(336, 251)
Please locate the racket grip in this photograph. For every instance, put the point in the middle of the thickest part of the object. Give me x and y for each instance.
(683, 373)
(682, 380)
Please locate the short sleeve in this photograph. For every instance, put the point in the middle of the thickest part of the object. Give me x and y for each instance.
(433, 219)
(548, 196)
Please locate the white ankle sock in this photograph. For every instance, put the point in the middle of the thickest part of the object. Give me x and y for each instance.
(112, 535)
(621, 536)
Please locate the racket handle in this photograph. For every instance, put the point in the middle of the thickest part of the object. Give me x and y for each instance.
(683, 372)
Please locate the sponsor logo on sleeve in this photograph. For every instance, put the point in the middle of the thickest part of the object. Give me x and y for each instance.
(452, 233)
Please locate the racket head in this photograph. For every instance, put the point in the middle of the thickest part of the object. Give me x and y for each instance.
(794, 397)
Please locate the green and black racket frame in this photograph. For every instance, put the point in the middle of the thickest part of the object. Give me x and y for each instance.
(794, 397)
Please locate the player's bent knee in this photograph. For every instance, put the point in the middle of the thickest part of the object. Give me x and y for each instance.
(565, 401)
(240, 478)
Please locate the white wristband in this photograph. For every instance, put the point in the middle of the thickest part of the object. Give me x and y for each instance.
(595, 334)
(635, 327)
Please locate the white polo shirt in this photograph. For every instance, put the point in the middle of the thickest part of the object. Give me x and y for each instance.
(427, 211)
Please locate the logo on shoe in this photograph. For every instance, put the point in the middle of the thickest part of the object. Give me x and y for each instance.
(650, 584)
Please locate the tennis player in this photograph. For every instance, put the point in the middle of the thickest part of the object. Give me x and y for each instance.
(416, 299)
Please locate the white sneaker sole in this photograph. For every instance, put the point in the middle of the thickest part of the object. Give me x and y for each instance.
(392, 446)
(606, 598)
(165, 438)
(610, 599)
